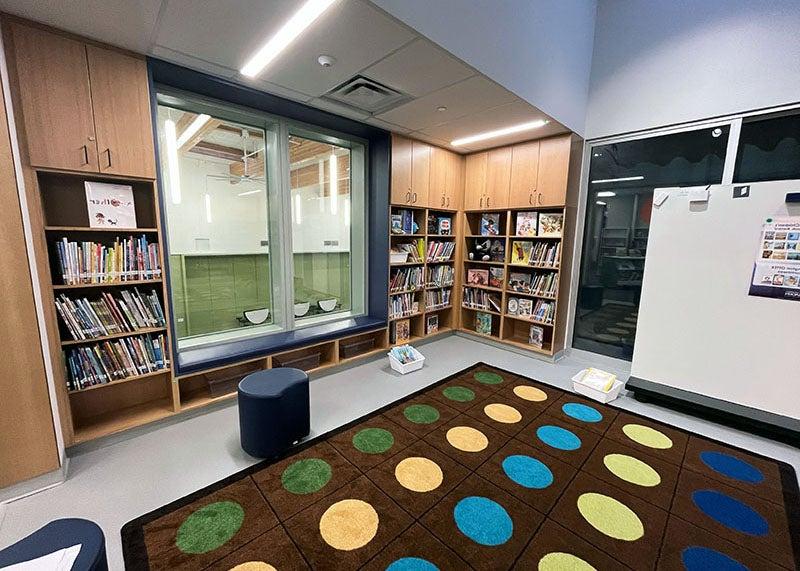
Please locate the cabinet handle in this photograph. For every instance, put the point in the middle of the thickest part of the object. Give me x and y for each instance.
(448, 202)
(539, 198)
(530, 198)
(108, 152)
(481, 202)
(415, 198)
(408, 197)
(85, 155)
(442, 200)
(488, 199)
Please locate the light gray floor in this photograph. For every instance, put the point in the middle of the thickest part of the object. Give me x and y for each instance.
(128, 478)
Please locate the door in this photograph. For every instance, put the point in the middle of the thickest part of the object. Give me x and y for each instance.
(420, 173)
(524, 170)
(401, 170)
(440, 166)
(553, 171)
(55, 99)
(454, 184)
(498, 177)
(475, 181)
(121, 103)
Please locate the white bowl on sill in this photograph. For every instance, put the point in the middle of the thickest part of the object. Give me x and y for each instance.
(327, 305)
(300, 309)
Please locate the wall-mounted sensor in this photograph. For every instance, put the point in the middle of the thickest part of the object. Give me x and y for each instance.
(716, 132)
(326, 61)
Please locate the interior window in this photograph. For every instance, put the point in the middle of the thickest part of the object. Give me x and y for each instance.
(769, 149)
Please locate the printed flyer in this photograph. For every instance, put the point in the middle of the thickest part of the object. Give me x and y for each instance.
(776, 272)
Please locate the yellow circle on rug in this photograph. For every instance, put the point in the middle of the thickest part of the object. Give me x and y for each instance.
(530, 393)
(560, 561)
(502, 413)
(647, 436)
(349, 524)
(253, 566)
(632, 470)
(467, 439)
(610, 516)
(418, 474)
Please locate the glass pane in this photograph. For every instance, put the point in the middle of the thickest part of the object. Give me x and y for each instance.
(769, 149)
(622, 177)
(217, 211)
(327, 209)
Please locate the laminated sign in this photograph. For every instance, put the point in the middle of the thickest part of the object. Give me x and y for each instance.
(776, 272)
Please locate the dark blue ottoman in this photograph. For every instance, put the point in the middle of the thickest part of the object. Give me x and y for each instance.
(273, 411)
(60, 534)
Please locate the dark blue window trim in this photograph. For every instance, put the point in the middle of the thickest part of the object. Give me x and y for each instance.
(377, 232)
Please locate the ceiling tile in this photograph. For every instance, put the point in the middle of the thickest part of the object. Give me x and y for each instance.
(194, 63)
(465, 98)
(387, 126)
(338, 109)
(419, 68)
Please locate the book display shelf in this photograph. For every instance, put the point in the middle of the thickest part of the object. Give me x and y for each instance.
(512, 276)
(422, 273)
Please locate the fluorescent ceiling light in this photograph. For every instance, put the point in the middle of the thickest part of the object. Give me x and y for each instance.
(208, 208)
(193, 128)
(289, 32)
(500, 132)
(621, 179)
(173, 167)
(601, 203)
(248, 193)
(334, 178)
(606, 194)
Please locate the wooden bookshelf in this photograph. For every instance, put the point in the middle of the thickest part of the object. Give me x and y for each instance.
(143, 331)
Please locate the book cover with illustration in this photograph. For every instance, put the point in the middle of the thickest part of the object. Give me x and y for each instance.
(525, 308)
(551, 224)
(483, 323)
(402, 331)
(536, 336)
(496, 276)
(521, 252)
(526, 223)
(490, 224)
(521, 282)
(110, 205)
(431, 324)
(478, 277)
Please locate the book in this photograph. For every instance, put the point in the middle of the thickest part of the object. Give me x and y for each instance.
(521, 252)
(431, 324)
(107, 314)
(397, 223)
(444, 226)
(402, 331)
(551, 224)
(490, 224)
(513, 306)
(497, 250)
(110, 205)
(440, 276)
(525, 307)
(526, 223)
(536, 336)
(478, 277)
(520, 282)
(483, 323)
(91, 262)
(496, 277)
(437, 299)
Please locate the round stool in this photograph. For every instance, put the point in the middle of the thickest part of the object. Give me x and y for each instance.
(274, 411)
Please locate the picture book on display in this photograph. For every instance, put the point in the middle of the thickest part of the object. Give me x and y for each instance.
(431, 324)
(536, 336)
(483, 323)
(401, 331)
(441, 225)
(513, 306)
(526, 223)
(478, 277)
(521, 252)
(496, 276)
(525, 307)
(551, 224)
(490, 224)
(110, 205)
(403, 222)
(520, 282)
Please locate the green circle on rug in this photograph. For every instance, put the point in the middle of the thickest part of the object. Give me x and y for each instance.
(421, 414)
(488, 378)
(373, 440)
(459, 394)
(306, 476)
(209, 527)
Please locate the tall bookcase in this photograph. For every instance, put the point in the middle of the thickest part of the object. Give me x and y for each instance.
(445, 312)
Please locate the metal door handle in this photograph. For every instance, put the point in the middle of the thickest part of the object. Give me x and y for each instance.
(481, 202)
(415, 198)
(408, 197)
(85, 154)
(109, 157)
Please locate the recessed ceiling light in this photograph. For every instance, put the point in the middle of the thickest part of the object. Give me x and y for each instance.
(289, 32)
(621, 179)
(598, 154)
(500, 132)
(606, 194)
(441, 108)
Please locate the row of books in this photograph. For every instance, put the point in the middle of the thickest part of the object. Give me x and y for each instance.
(493, 277)
(481, 299)
(437, 298)
(415, 249)
(91, 262)
(404, 279)
(441, 225)
(524, 253)
(402, 305)
(542, 310)
(440, 276)
(110, 361)
(440, 251)
(125, 312)
(539, 224)
(545, 283)
(403, 222)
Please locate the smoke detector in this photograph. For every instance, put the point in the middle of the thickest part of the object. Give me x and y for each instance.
(364, 94)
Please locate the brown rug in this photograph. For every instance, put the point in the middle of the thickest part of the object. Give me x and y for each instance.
(487, 470)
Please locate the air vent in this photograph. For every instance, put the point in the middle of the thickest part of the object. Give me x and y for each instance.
(364, 94)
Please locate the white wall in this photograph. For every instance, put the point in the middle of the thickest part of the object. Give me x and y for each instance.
(540, 50)
(661, 62)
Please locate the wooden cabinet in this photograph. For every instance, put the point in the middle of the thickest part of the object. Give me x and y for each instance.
(420, 173)
(401, 170)
(454, 181)
(551, 180)
(84, 108)
(498, 177)
(446, 180)
(475, 181)
(524, 172)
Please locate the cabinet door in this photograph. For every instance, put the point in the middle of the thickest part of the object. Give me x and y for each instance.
(475, 181)
(440, 165)
(524, 170)
(454, 189)
(420, 173)
(55, 99)
(498, 177)
(401, 170)
(121, 103)
(553, 171)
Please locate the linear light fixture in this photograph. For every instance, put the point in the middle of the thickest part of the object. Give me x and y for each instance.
(298, 209)
(621, 179)
(334, 178)
(173, 166)
(208, 208)
(249, 192)
(500, 132)
(600, 203)
(289, 32)
(193, 128)
(606, 194)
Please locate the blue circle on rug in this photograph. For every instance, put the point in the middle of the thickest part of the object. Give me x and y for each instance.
(702, 558)
(730, 512)
(582, 412)
(484, 521)
(527, 472)
(412, 564)
(732, 467)
(558, 437)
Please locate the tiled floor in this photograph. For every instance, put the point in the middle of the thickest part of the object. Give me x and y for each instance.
(116, 483)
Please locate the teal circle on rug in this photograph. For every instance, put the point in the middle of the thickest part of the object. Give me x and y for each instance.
(306, 476)
(696, 558)
(483, 520)
(459, 394)
(488, 378)
(412, 564)
(582, 412)
(373, 440)
(528, 472)
(421, 413)
(559, 438)
(209, 527)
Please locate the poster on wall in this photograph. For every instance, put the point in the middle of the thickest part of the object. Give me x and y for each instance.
(776, 272)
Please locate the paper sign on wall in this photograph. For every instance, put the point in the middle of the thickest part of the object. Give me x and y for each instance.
(776, 272)
(110, 205)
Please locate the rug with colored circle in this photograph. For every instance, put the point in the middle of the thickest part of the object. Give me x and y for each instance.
(487, 469)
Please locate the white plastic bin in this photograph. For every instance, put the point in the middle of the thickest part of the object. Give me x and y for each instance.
(593, 393)
(403, 368)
